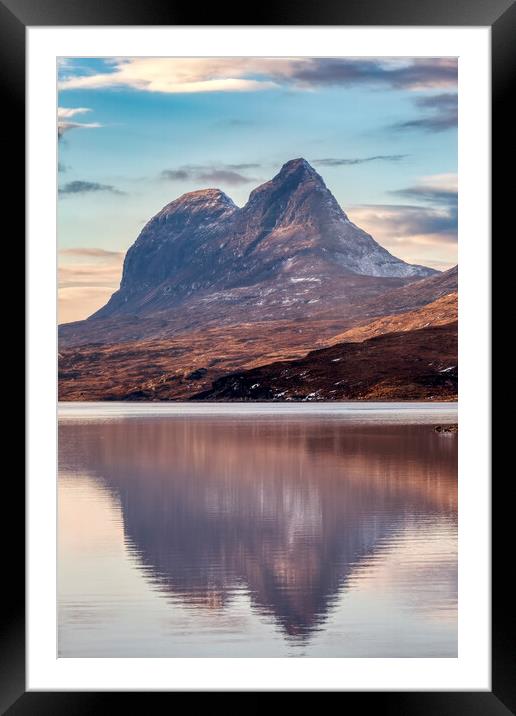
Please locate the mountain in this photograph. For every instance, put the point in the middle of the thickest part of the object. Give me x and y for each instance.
(210, 290)
(291, 252)
(408, 365)
(292, 229)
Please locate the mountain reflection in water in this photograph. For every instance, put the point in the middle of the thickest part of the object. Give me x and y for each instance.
(292, 514)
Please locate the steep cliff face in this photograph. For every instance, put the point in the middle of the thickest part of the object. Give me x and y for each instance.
(291, 231)
(175, 254)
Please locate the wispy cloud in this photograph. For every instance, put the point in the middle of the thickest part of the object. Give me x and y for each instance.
(413, 74)
(445, 102)
(87, 278)
(423, 232)
(89, 275)
(91, 266)
(435, 189)
(225, 173)
(87, 187)
(339, 162)
(409, 220)
(89, 252)
(244, 74)
(79, 302)
(225, 176)
(175, 174)
(417, 234)
(443, 114)
(66, 114)
(63, 127)
(172, 75)
(243, 166)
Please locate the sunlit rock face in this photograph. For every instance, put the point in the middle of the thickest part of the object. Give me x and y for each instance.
(291, 228)
(290, 252)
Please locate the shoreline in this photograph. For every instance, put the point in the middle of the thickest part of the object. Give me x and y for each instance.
(438, 413)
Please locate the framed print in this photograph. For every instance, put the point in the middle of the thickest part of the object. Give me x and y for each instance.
(251, 463)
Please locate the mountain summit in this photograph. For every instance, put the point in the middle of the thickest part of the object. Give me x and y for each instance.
(291, 231)
(210, 291)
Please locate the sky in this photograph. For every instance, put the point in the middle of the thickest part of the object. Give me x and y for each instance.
(136, 133)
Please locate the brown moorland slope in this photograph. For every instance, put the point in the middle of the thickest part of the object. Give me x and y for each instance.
(408, 365)
(180, 367)
(413, 295)
(175, 368)
(443, 310)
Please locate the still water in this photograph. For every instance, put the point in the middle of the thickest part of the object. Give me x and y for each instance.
(249, 532)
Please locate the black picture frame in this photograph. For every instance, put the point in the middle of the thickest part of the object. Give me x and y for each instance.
(15, 17)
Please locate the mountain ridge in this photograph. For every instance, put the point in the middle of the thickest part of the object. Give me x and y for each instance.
(209, 288)
(290, 253)
(290, 227)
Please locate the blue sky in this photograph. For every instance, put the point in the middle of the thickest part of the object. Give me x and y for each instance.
(135, 133)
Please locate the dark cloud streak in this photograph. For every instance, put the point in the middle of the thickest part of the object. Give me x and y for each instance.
(417, 73)
(175, 174)
(410, 220)
(336, 162)
(87, 187)
(64, 127)
(242, 166)
(431, 195)
(227, 173)
(440, 216)
(447, 101)
(429, 124)
(444, 114)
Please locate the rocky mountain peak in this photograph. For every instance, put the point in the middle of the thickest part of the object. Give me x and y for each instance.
(292, 175)
(291, 233)
(209, 202)
(297, 194)
(299, 167)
